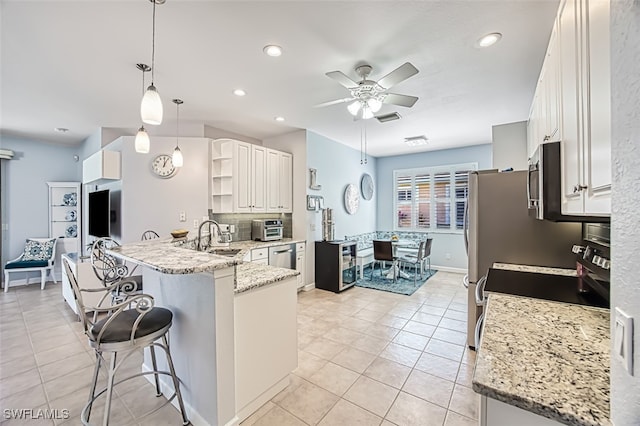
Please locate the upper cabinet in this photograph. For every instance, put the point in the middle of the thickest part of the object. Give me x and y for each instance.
(544, 118)
(280, 185)
(572, 105)
(102, 166)
(586, 107)
(246, 178)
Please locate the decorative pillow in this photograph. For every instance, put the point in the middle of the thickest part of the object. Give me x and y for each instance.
(38, 250)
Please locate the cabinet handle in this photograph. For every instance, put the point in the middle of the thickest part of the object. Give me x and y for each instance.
(577, 188)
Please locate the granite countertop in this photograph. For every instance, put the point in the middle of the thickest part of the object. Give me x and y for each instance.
(536, 269)
(164, 256)
(251, 275)
(171, 256)
(549, 358)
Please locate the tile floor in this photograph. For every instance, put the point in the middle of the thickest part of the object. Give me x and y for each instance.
(366, 357)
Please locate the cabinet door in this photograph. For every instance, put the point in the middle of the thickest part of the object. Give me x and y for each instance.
(551, 86)
(300, 267)
(273, 180)
(242, 177)
(597, 147)
(259, 181)
(570, 104)
(286, 183)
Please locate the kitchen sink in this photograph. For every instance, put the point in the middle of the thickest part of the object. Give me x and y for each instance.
(224, 251)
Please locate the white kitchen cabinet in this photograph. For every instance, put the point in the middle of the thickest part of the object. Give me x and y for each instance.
(280, 183)
(238, 177)
(103, 166)
(65, 219)
(260, 255)
(86, 278)
(586, 107)
(544, 117)
(300, 264)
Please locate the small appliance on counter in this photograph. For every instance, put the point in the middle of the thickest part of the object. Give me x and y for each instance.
(266, 229)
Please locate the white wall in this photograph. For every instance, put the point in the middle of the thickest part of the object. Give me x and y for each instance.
(215, 133)
(27, 195)
(149, 202)
(510, 146)
(444, 243)
(625, 234)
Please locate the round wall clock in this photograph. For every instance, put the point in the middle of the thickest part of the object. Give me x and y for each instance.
(366, 186)
(162, 166)
(351, 199)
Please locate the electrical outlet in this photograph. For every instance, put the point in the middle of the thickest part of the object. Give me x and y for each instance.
(183, 217)
(195, 224)
(232, 228)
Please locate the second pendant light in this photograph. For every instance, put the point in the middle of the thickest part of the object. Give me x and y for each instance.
(177, 154)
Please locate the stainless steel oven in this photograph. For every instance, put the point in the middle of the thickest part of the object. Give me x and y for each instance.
(594, 260)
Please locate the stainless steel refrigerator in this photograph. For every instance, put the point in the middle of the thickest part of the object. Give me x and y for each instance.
(498, 228)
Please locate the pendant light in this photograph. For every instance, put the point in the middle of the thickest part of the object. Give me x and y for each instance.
(151, 106)
(177, 154)
(142, 142)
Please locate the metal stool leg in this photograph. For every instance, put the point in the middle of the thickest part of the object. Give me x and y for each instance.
(176, 382)
(94, 382)
(155, 369)
(107, 404)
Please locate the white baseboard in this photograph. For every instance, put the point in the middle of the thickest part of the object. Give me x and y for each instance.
(449, 269)
(309, 287)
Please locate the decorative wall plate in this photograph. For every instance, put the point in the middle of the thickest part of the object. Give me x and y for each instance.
(366, 186)
(351, 199)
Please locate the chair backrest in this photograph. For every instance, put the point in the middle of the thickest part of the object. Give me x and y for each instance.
(427, 248)
(382, 250)
(77, 294)
(420, 254)
(106, 267)
(149, 235)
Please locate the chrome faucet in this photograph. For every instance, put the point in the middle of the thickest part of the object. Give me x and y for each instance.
(199, 246)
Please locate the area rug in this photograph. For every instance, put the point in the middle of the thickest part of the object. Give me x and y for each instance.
(401, 286)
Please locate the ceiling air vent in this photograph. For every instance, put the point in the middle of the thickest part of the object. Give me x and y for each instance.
(416, 140)
(388, 117)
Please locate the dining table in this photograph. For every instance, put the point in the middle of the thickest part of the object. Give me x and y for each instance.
(405, 245)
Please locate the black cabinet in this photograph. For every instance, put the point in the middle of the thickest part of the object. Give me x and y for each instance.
(335, 265)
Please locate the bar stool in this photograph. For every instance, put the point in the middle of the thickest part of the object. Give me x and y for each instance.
(124, 328)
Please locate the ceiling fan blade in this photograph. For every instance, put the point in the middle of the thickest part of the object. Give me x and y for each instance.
(342, 78)
(401, 100)
(337, 101)
(401, 73)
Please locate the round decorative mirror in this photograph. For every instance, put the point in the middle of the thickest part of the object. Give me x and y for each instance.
(366, 186)
(351, 199)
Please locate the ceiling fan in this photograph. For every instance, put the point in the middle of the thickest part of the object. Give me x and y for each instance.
(369, 95)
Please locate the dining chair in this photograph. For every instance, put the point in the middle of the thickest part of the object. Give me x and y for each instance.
(415, 260)
(427, 253)
(38, 256)
(383, 252)
(121, 330)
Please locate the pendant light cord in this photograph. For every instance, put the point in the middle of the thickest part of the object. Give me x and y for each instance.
(153, 43)
(177, 124)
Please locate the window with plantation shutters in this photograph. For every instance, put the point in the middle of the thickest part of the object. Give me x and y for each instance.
(431, 199)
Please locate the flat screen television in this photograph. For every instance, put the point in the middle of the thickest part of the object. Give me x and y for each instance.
(99, 213)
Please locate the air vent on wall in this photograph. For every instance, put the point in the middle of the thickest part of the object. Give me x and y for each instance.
(388, 117)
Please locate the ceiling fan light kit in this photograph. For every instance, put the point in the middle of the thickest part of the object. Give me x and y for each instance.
(151, 106)
(369, 95)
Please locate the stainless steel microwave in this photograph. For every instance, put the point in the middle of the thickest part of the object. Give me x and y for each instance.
(544, 186)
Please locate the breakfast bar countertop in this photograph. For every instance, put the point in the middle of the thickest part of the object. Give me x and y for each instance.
(536, 269)
(252, 275)
(549, 358)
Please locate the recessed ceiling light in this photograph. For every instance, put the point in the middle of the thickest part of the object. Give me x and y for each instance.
(489, 39)
(61, 129)
(272, 50)
(239, 92)
(416, 140)
(278, 118)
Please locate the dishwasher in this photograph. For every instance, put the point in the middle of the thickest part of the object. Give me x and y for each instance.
(283, 256)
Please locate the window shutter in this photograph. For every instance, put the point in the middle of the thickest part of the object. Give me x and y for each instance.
(442, 190)
(423, 201)
(461, 180)
(403, 189)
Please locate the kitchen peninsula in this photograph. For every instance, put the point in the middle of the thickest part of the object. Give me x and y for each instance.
(233, 338)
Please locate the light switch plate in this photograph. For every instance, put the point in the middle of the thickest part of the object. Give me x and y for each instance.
(623, 339)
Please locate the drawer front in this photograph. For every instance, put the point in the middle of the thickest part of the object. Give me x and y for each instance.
(261, 253)
(300, 247)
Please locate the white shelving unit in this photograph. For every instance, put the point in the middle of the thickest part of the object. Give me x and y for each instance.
(65, 219)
